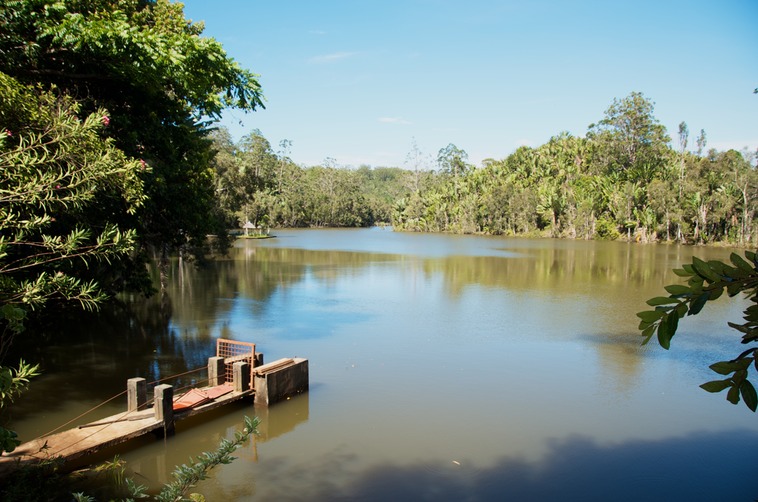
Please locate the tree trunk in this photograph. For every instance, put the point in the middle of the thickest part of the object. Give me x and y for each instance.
(163, 269)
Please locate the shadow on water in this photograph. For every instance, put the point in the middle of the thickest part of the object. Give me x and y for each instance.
(86, 362)
(696, 467)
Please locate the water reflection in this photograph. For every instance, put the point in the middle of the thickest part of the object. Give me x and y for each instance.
(575, 468)
(519, 359)
(151, 462)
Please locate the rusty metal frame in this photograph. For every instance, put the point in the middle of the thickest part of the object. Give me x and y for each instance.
(233, 351)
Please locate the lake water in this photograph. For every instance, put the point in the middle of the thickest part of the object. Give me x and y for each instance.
(441, 368)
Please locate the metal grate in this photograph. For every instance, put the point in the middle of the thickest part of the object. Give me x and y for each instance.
(233, 351)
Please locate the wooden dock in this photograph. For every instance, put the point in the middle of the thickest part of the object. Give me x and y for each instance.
(84, 440)
(276, 379)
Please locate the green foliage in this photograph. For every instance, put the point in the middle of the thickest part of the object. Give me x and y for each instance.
(255, 184)
(707, 281)
(12, 383)
(188, 475)
(55, 169)
(127, 43)
(629, 140)
(622, 181)
(162, 83)
(606, 229)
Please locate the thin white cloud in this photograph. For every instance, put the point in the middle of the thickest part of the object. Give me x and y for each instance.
(331, 58)
(394, 120)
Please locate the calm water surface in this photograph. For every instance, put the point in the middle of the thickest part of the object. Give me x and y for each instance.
(441, 368)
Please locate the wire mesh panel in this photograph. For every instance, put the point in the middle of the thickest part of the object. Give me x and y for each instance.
(233, 351)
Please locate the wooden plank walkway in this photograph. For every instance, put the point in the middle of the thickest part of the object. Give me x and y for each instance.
(90, 438)
(273, 381)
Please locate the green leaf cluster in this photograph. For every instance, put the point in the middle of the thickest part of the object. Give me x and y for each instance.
(162, 83)
(12, 383)
(707, 281)
(56, 167)
(187, 476)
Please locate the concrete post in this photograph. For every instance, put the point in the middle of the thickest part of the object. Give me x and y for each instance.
(241, 374)
(280, 379)
(164, 407)
(216, 371)
(136, 394)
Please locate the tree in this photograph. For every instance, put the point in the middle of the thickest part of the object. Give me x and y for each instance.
(684, 134)
(257, 176)
(162, 83)
(452, 160)
(56, 169)
(701, 142)
(707, 281)
(631, 140)
(228, 185)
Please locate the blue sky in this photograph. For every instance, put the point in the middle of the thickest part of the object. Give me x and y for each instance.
(360, 81)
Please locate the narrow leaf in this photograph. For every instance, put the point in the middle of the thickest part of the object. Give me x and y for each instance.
(696, 283)
(734, 288)
(651, 315)
(747, 391)
(714, 294)
(681, 310)
(647, 333)
(704, 270)
(726, 367)
(661, 300)
(677, 289)
(673, 322)
(716, 385)
(733, 396)
(697, 304)
(664, 334)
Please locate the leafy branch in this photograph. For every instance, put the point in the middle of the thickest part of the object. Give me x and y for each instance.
(707, 281)
(58, 248)
(12, 383)
(187, 476)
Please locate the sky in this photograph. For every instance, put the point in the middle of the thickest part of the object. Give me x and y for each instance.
(368, 82)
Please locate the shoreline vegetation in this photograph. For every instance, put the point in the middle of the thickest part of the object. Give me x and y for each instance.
(623, 181)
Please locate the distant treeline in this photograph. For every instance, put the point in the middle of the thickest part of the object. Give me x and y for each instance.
(623, 180)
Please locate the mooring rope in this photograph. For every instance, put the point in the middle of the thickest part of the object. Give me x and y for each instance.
(122, 417)
(83, 414)
(105, 426)
(201, 368)
(116, 397)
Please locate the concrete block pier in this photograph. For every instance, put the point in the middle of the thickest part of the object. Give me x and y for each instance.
(280, 379)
